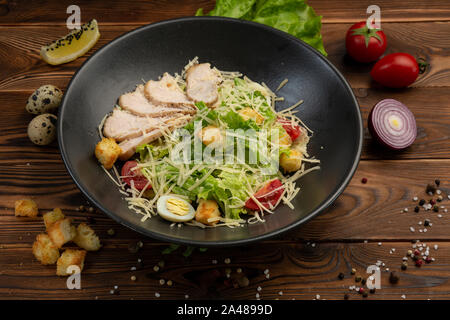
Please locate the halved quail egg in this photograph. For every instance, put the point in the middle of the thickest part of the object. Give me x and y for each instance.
(175, 209)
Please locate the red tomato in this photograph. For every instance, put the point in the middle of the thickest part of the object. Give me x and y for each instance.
(268, 196)
(133, 175)
(292, 130)
(396, 70)
(364, 44)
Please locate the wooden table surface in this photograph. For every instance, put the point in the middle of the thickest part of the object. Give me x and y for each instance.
(362, 227)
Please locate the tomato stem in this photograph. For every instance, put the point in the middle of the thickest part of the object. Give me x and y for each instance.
(367, 34)
(423, 65)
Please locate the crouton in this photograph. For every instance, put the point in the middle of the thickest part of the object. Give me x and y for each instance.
(86, 238)
(51, 217)
(70, 257)
(61, 232)
(210, 134)
(107, 151)
(207, 209)
(45, 250)
(25, 208)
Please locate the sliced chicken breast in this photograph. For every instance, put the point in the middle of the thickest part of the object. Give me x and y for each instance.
(129, 146)
(166, 92)
(122, 125)
(136, 102)
(201, 84)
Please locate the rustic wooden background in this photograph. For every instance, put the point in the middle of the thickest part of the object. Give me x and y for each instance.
(303, 263)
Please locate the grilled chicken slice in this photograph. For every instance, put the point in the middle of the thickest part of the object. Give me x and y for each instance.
(201, 83)
(136, 102)
(122, 125)
(167, 92)
(129, 146)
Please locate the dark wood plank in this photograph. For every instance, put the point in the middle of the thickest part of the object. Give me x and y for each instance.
(390, 188)
(141, 11)
(22, 68)
(299, 270)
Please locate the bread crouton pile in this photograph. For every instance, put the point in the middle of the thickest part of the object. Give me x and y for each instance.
(60, 231)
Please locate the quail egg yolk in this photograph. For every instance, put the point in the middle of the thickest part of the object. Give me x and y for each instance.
(177, 206)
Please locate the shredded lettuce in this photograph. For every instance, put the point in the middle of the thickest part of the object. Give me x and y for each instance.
(295, 17)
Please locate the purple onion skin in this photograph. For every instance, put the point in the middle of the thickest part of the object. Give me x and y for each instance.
(382, 141)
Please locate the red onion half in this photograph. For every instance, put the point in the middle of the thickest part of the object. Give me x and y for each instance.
(392, 124)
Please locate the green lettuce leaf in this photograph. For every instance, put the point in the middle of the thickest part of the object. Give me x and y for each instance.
(295, 17)
(235, 121)
(230, 8)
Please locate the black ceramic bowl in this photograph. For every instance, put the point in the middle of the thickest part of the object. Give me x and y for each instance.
(264, 55)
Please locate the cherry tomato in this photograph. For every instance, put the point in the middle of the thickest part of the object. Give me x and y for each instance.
(396, 70)
(293, 131)
(133, 175)
(268, 195)
(364, 44)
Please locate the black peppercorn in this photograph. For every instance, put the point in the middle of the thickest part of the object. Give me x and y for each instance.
(436, 209)
(422, 202)
(393, 278)
(426, 223)
(365, 294)
(357, 279)
(372, 290)
(346, 296)
(416, 209)
(437, 182)
(341, 276)
(133, 247)
(430, 188)
(404, 265)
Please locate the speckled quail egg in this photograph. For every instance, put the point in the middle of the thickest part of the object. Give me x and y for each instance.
(42, 129)
(44, 100)
(175, 209)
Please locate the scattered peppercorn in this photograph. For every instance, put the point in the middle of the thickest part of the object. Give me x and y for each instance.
(365, 295)
(404, 265)
(91, 210)
(416, 252)
(437, 182)
(341, 276)
(81, 208)
(421, 202)
(111, 232)
(432, 202)
(346, 296)
(419, 263)
(430, 188)
(364, 180)
(436, 209)
(426, 222)
(133, 247)
(363, 281)
(357, 279)
(416, 209)
(372, 290)
(393, 278)
(361, 290)
(353, 271)
(428, 260)
(440, 198)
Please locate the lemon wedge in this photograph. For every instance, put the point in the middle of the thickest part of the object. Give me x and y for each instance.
(73, 45)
